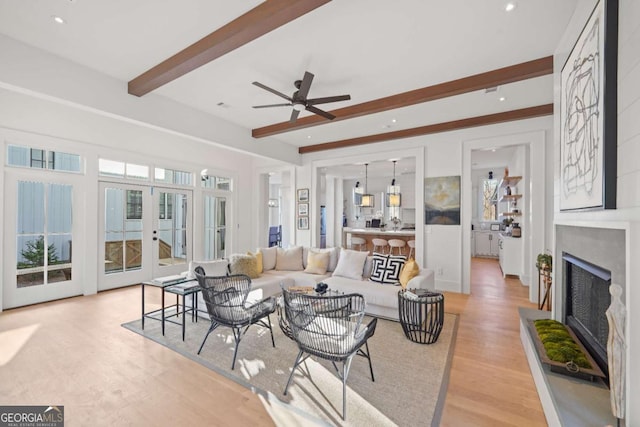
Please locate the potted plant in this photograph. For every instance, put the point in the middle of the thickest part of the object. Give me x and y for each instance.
(545, 261)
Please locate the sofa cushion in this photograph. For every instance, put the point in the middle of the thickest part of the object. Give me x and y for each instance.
(351, 264)
(374, 293)
(258, 256)
(387, 268)
(244, 264)
(219, 267)
(368, 267)
(334, 253)
(317, 262)
(289, 259)
(409, 271)
(268, 258)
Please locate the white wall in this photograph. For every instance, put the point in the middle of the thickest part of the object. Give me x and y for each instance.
(627, 214)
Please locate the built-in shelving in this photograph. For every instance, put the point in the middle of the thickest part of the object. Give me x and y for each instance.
(509, 199)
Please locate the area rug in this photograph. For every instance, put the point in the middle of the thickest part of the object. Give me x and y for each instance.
(410, 378)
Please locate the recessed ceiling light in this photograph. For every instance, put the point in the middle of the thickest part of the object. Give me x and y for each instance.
(509, 7)
(393, 120)
(308, 136)
(58, 19)
(493, 150)
(502, 98)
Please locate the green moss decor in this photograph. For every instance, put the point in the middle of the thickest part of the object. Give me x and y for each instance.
(559, 345)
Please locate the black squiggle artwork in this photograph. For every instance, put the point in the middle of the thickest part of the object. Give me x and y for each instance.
(581, 141)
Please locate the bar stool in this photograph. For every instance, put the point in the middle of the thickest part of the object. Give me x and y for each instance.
(359, 241)
(412, 247)
(379, 245)
(397, 243)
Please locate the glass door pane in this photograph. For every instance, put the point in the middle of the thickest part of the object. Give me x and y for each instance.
(215, 223)
(172, 228)
(43, 234)
(123, 227)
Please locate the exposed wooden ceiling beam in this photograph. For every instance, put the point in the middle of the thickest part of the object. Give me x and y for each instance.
(260, 20)
(501, 76)
(507, 116)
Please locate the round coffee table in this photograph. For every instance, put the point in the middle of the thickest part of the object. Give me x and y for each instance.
(422, 315)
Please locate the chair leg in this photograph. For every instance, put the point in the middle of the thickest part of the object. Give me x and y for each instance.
(295, 366)
(367, 354)
(271, 330)
(237, 336)
(211, 328)
(345, 373)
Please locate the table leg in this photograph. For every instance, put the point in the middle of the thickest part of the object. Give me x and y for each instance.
(162, 290)
(142, 285)
(196, 305)
(184, 314)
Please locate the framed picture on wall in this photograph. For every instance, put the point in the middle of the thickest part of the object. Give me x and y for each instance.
(303, 194)
(303, 223)
(303, 209)
(588, 114)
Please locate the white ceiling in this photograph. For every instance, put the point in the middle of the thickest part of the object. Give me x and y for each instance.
(366, 48)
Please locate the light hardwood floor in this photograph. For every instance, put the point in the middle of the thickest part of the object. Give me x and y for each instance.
(74, 353)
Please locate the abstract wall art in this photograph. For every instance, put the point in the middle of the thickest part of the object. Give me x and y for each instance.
(442, 200)
(588, 114)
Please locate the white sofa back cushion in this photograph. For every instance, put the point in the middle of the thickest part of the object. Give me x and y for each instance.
(218, 267)
(351, 264)
(289, 259)
(268, 257)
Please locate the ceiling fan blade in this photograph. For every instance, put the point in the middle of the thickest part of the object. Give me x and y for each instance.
(294, 116)
(305, 85)
(320, 112)
(327, 99)
(273, 105)
(275, 92)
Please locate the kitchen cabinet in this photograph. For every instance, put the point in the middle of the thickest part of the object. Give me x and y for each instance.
(510, 255)
(486, 244)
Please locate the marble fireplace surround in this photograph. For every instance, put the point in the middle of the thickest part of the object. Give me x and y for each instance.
(606, 244)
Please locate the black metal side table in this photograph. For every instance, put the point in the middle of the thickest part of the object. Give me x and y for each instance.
(422, 315)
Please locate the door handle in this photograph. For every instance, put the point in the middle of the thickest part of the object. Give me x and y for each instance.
(155, 238)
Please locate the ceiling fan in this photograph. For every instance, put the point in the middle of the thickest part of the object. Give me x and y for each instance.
(299, 99)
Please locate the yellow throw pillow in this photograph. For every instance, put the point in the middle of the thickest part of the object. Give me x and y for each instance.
(409, 271)
(317, 262)
(258, 256)
(244, 264)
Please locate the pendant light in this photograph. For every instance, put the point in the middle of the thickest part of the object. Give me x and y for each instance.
(393, 191)
(367, 199)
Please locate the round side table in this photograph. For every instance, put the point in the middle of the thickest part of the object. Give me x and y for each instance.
(422, 315)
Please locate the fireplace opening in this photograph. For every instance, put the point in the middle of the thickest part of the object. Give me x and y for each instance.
(587, 300)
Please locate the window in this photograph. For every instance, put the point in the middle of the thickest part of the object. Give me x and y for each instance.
(134, 204)
(171, 176)
(489, 199)
(122, 169)
(166, 206)
(41, 159)
(217, 182)
(43, 234)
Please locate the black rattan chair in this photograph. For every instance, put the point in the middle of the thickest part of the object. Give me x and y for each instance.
(226, 300)
(329, 327)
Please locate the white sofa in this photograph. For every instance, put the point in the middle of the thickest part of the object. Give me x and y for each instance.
(382, 300)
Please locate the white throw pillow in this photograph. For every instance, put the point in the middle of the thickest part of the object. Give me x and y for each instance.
(268, 257)
(351, 264)
(218, 267)
(289, 259)
(317, 262)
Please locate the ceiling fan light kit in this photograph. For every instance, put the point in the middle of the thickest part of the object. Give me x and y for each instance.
(299, 100)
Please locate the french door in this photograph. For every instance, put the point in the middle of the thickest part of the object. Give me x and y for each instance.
(145, 232)
(39, 260)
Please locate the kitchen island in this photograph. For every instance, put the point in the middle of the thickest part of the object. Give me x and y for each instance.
(375, 233)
